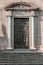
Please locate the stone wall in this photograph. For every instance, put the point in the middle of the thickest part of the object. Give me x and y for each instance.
(4, 22)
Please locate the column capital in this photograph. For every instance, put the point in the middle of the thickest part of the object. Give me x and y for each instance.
(32, 13)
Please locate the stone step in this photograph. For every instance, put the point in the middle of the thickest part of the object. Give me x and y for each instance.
(11, 57)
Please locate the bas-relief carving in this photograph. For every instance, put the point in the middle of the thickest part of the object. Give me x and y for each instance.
(22, 13)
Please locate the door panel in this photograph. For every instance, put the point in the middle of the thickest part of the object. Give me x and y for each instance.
(21, 33)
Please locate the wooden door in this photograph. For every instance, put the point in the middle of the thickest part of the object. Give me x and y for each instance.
(21, 33)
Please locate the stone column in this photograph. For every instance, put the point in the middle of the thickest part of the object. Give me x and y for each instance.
(9, 33)
(41, 36)
(33, 43)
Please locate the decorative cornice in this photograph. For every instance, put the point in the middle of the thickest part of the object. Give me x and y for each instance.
(21, 6)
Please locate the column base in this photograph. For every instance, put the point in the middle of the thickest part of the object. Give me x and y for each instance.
(41, 48)
(9, 48)
(33, 48)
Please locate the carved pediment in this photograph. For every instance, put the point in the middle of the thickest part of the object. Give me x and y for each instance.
(21, 6)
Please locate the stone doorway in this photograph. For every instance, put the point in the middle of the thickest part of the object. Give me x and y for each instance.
(21, 33)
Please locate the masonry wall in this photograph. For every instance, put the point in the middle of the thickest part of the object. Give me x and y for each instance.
(4, 24)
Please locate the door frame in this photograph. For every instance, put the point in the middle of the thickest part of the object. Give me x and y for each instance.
(12, 33)
(31, 27)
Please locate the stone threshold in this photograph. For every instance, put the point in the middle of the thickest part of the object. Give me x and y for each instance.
(20, 51)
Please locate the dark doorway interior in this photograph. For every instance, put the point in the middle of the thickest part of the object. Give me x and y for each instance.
(21, 33)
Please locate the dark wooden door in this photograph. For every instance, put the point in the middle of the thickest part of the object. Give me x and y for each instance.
(21, 33)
